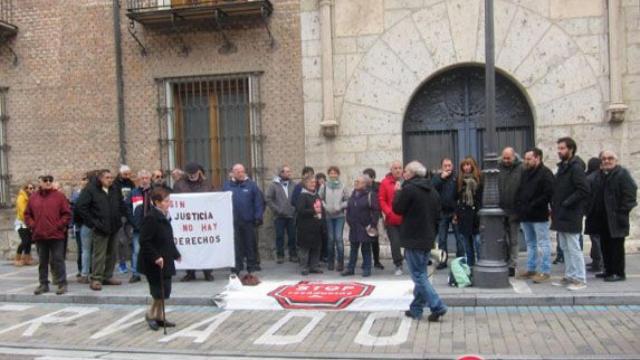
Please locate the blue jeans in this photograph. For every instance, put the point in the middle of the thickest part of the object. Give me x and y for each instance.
(443, 235)
(536, 235)
(335, 244)
(283, 224)
(470, 244)
(366, 256)
(87, 242)
(423, 292)
(135, 241)
(574, 267)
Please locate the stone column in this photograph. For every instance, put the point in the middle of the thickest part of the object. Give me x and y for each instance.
(329, 124)
(617, 108)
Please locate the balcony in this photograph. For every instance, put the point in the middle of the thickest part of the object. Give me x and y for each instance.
(178, 16)
(7, 29)
(162, 13)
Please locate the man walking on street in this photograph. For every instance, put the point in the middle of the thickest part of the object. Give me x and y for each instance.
(102, 208)
(193, 181)
(508, 183)
(613, 197)
(248, 210)
(419, 204)
(392, 220)
(532, 205)
(445, 184)
(278, 200)
(570, 193)
(47, 216)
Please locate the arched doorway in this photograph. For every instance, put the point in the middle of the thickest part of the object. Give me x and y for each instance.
(445, 117)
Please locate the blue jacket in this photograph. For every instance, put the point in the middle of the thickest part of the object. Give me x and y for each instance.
(248, 202)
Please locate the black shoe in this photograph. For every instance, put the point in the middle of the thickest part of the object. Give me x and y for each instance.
(165, 323)
(602, 275)
(257, 268)
(512, 272)
(614, 277)
(62, 289)
(134, 279)
(41, 290)
(280, 260)
(430, 262)
(442, 265)
(409, 314)
(188, 277)
(208, 276)
(596, 269)
(348, 273)
(331, 267)
(153, 324)
(558, 260)
(435, 316)
(378, 266)
(316, 271)
(304, 272)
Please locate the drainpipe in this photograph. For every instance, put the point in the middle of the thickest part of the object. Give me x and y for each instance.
(617, 108)
(119, 80)
(329, 125)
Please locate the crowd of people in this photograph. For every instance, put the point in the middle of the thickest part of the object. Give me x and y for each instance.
(118, 221)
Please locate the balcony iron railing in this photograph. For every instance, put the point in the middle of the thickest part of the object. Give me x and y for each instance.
(7, 28)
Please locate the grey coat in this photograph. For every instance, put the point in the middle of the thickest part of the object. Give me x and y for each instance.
(508, 183)
(278, 201)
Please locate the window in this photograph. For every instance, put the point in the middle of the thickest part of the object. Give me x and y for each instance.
(214, 121)
(4, 169)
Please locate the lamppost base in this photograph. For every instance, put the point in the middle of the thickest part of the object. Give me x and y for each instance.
(491, 274)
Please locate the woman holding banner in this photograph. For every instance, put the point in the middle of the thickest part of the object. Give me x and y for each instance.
(157, 255)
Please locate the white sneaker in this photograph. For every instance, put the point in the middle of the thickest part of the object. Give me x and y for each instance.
(576, 286)
(398, 271)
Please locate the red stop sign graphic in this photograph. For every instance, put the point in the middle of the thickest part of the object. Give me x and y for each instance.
(307, 295)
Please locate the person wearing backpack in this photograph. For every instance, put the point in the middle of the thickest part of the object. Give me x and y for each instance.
(419, 204)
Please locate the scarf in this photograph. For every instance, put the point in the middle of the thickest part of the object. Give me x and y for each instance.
(469, 189)
(333, 185)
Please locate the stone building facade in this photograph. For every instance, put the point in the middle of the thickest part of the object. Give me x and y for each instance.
(352, 83)
(573, 63)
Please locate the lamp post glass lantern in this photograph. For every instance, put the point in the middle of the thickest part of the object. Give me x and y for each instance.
(491, 269)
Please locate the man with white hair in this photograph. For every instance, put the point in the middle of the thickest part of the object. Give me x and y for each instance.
(419, 204)
(613, 195)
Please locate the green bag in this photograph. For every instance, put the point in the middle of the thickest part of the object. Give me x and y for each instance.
(460, 274)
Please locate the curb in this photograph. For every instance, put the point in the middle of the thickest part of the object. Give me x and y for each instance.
(455, 300)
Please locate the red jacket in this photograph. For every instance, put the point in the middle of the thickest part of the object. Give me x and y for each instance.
(48, 214)
(385, 197)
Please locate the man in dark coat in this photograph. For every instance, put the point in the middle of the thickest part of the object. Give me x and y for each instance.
(248, 210)
(419, 204)
(570, 193)
(445, 183)
(102, 208)
(311, 226)
(597, 263)
(613, 197)
(47, 216)
(194, 181)
(532, 206)
(125, 185)
(508, 182)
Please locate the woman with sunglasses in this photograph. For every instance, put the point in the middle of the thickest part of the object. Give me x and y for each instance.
(23, 255)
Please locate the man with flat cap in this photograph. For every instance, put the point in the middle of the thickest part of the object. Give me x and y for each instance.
(194, 181)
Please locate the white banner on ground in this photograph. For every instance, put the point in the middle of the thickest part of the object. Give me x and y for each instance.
(203, 229)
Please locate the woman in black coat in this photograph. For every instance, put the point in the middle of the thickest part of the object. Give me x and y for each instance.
(363, 213)
(157, 255)
(469, 202)
(310, 226)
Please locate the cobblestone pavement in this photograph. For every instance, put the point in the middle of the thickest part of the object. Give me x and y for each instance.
(118, 331)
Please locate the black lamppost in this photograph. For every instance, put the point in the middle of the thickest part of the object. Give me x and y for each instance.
(491, 269)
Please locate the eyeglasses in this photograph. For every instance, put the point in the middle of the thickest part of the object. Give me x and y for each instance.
(46, 180)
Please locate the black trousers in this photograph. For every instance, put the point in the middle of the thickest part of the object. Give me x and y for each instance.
(612, 254)
(25, 241)
(375, 248)
(51, 253)
(245, 246)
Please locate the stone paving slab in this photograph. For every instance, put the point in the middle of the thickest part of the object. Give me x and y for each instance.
(533, 332)
(17, 284)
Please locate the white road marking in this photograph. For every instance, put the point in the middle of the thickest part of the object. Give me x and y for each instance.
(51, 318)
(270, 337)
(365, 338)
(200, 335)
